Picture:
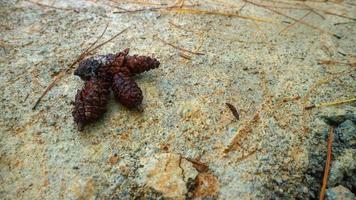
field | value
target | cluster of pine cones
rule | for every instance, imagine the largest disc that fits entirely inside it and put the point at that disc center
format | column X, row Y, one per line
column 103, row 72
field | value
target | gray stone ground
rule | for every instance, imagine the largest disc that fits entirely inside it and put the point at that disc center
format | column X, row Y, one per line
column 186, row 144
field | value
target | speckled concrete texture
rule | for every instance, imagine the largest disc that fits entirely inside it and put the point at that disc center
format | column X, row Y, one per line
column 186, row 144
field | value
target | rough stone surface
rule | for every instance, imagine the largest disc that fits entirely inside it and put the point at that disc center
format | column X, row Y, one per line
column 338, row 116
column 266, row 64
column 343, row 170
column 339, row 193
column 207, row 186
column 167, row 173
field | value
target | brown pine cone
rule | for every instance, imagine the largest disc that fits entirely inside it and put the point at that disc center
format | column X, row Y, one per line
column 126, row 91
column 138, row 64
column 118, row 63
column 90, row 102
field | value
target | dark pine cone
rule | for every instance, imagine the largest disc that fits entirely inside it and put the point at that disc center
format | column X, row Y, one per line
column 99, row 67
column 90, row 102
column 126, row 91
column 137, row 64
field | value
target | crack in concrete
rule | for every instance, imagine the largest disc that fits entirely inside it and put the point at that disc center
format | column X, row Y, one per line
column 179, row 164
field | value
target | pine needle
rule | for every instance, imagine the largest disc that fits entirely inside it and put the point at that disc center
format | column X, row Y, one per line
column 214, row 12
column 295, row 22
column 151, row 8
column 294, row 19
column 51, row 7
column 327, row 164
column 334, row 103
column 180, row 48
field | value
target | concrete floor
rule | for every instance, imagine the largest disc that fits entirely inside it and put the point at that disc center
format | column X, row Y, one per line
column 267, row 65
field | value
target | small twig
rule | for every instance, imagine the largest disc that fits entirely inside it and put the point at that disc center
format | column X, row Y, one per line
column 327, row 164
column 80, row 57
column 180, row 48
column 334, row 103
column 233, row 111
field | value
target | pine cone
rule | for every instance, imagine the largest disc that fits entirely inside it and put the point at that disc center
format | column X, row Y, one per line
column 138, row 64
column 126, row 91
column 118, row 63
column 96, row 67
column 90, row 102
column 103, row 71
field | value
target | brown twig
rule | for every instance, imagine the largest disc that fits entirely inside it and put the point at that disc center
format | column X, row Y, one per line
column 327, row 164
column 179, row 48
column 88, row 50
